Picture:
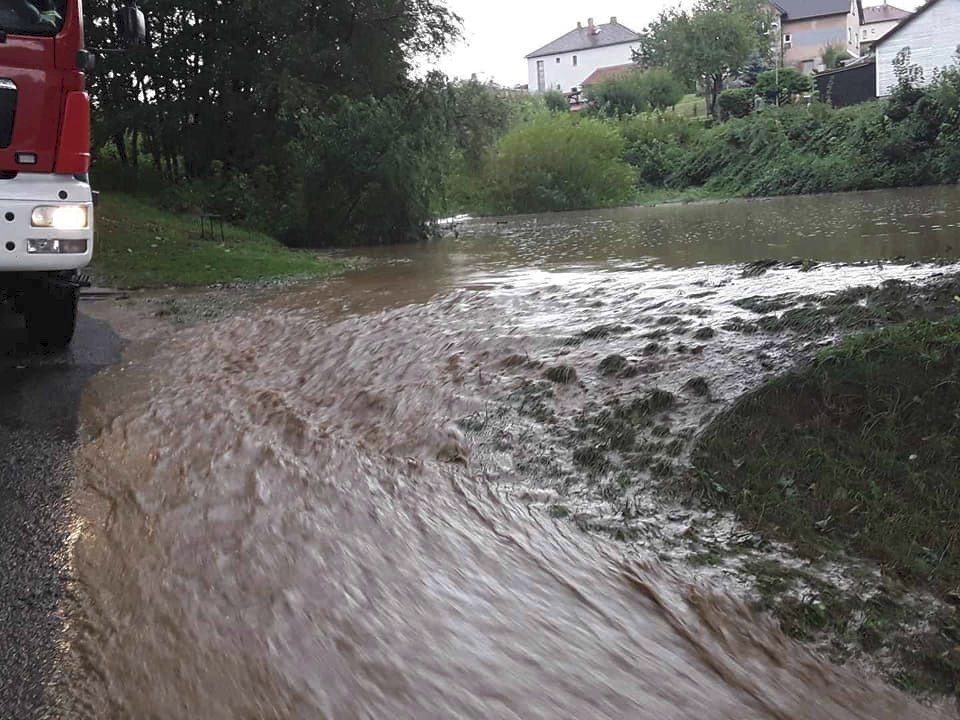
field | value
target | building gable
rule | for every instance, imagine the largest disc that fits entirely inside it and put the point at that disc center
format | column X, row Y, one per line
column 587, row 38
column 933, row 36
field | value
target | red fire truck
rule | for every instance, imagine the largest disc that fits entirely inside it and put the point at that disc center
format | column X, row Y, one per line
column 46, row 204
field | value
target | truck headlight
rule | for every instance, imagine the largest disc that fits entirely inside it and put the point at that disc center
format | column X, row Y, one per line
column 61, row 217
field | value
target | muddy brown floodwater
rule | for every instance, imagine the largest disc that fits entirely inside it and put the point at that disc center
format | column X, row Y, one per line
column 296, row 513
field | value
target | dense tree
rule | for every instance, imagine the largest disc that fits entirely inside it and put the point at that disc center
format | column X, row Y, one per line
column 558, row 162
column 224, row 87
column 556, row 101
column 834, row 56
column 707, row 44
column 636, row 92
column 789, row 81
column 755, row 65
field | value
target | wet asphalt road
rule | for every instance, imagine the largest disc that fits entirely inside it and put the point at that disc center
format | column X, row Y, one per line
column 39, row 400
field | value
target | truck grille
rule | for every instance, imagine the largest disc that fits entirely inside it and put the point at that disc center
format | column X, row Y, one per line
column 8, row 111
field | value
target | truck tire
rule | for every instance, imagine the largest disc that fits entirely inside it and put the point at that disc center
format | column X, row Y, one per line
column 50, row 312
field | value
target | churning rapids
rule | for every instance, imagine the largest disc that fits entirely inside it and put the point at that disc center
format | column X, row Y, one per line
column 278, row 516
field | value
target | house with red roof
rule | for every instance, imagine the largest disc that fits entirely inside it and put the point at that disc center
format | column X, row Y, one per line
column 870, row 24
column 566, row 62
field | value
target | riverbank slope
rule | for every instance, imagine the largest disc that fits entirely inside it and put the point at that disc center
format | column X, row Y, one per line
column 141, row 246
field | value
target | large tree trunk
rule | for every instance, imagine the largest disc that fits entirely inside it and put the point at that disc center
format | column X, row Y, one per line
column 121, row 145
column 714, row 88
column 135, row 147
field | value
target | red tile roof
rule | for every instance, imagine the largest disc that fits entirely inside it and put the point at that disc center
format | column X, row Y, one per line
column 605, row 73
column 883, row 13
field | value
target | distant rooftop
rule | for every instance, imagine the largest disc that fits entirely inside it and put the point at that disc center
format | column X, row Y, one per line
column 805, row 9
column 884, row 13
column 588, row 37
column 612, row 71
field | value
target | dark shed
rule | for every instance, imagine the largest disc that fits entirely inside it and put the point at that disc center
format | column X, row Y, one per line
column 850, row 85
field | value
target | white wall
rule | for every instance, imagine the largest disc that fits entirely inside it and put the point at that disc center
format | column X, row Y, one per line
column 932, row 38
column 568, row 76
column 853, row 30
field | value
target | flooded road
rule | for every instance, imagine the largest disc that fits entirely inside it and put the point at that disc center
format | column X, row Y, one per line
column 345, row 503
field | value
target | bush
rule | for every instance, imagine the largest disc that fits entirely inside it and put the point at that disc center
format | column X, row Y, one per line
column 736, row 103
column 635, row 92
column 370, row 169
column 556, row 101
column 791, row 83
column 564, row 161
column 663, row 89
column 558, row 162
column 657, row 145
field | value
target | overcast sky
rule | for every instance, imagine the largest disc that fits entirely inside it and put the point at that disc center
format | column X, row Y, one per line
column 499, row 33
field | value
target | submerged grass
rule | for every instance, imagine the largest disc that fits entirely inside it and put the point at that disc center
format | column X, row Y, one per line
column 140, row 246
column 857, row 453
column 859, row 449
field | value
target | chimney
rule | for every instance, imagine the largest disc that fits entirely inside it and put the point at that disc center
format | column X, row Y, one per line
column 591, row 27
column 579, row 25
column 613, row 20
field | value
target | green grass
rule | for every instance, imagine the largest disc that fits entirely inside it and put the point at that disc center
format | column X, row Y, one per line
column 691, row 106
column 660, row 196
column 856, row 454
column 860, row 450
column 140, row 246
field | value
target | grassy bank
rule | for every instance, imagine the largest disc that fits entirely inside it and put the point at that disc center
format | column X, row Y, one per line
column 140, row 246
column 552, row 161
column 857, row 453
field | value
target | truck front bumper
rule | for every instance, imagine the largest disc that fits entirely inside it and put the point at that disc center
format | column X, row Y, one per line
column 18, row 198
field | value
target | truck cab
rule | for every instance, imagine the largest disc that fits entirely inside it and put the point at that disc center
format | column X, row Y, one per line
column 46, row 203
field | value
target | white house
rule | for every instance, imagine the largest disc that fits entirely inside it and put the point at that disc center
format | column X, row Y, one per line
column 876, row 22
column 567, row 61
column 932, row 35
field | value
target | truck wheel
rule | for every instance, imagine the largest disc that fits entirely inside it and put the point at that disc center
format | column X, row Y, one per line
column 51, row 316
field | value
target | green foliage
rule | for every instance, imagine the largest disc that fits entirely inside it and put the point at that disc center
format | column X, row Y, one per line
column 556, row 101
column 370, row 168
column 755, row 65
column 790, row 82
column 558, row 162
column 834, row 56
column 911, row 139
column 620, row 95
column 737, row 103
column 655, row 145
column 708, row 44
column 663, row 89
column 635, row 92
column 218, row 100
column 481, row 113
column 860, row 449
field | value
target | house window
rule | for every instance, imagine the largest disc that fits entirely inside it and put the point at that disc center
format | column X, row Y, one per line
column 541, row 77
column 574, row 60
column 787, row 40
column 864, row 33
column 558, row 61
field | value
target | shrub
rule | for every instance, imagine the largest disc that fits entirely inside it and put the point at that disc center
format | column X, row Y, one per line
column 370, row 170
column 657, row 145
column 558, row 162
column 556, row 101
column 635, row 92
column 663, row 89
column 791, row 83
column 834, row 55
column 736, row 103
